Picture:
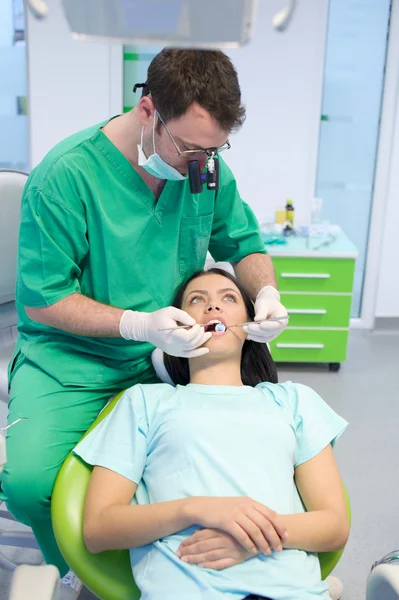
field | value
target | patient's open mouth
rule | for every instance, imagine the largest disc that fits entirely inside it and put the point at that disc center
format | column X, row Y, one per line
column 216, row 326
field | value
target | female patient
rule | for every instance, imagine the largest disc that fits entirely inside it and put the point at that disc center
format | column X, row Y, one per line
column 234, row 478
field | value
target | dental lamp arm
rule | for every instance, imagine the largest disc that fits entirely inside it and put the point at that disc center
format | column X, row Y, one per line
column 283, row 18
column 38, row 8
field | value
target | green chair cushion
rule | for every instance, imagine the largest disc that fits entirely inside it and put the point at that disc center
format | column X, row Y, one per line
column 328, row 560
column 108, row 574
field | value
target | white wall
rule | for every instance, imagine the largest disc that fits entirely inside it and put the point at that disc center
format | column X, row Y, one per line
column 274, row 156
column 6, row 24
column 13, row 126
column 72, row 84
column 388, row 285
column 381, row 296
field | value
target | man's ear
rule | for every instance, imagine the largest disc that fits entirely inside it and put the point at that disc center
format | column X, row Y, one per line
column 146, row 110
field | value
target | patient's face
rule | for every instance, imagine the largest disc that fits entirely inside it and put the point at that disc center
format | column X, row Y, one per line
column 212, row 298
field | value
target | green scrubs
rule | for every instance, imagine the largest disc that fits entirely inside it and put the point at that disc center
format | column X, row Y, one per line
column 89, row 224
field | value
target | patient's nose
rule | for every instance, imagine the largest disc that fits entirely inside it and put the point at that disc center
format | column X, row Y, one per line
column 212, row 307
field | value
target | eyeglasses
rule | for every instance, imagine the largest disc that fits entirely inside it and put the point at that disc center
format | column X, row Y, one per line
column 207, row 151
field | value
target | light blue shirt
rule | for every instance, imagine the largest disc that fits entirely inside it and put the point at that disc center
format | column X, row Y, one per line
column 209, row 440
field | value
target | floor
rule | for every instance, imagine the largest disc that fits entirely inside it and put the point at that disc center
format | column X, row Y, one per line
column 366, row 393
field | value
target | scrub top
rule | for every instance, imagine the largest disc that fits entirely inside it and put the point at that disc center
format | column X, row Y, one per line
column 210, row 440
column 89, row 224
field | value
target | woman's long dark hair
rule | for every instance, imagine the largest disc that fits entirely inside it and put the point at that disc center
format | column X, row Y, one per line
column 257, row 364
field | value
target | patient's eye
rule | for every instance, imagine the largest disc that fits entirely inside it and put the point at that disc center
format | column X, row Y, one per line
column 196, row 299
column 230, row 298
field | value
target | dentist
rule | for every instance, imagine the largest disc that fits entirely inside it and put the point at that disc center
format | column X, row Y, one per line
column 109, row 229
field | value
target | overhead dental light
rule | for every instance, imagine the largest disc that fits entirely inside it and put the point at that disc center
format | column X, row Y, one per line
column 184, row 23
column 179, row 23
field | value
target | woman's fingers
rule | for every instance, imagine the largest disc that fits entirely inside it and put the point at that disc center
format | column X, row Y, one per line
column 201, row 546
column 254, row 531
column 273, row 518
column 267, row 530
column 206, row 556
column 201, row 534
column 242, row 537
column 218, row 565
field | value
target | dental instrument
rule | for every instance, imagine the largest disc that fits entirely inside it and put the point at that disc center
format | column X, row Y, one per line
column 13, row 423
column 283, row 318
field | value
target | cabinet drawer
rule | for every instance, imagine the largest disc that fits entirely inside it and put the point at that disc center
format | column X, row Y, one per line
column 314, row 274
column 312, row 310
column 307, row 345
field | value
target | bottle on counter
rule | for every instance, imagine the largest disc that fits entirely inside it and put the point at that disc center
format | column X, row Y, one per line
column 289, row 215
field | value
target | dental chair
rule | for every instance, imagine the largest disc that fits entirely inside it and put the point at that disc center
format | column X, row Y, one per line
column 11, row 187
column 108, row 574
column 383, row 581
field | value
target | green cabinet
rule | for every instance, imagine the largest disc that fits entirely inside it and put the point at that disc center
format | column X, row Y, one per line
column 316, row 288
column 311, row 345
column 317, row 310
column 314, row 274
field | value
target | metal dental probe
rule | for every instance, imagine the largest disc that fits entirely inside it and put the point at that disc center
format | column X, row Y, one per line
column 284, row 318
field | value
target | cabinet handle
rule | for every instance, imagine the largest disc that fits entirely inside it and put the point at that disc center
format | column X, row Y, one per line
column 302, row 346
column 306, row 311
column 305, row 275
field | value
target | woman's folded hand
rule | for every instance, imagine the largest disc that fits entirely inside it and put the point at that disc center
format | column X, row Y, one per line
column 253, row 525
column 212, row 549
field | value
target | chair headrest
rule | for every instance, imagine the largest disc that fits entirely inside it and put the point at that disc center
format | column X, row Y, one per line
column 12, row 184
column 159, row 366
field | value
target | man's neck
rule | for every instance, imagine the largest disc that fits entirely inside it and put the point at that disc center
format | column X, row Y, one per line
column 125, row 133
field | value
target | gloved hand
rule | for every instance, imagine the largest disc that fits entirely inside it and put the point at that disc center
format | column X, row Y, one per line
column 267, row 306
column 144, row 327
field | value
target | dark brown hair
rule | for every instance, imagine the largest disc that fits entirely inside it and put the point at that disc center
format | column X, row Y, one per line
column 257, row 364
column 178, row 78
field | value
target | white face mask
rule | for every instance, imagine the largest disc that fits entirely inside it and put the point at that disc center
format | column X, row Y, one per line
column 154, row 164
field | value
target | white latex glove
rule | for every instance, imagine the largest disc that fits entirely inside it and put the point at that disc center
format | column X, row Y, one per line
column 267, row 306
column 144, row 327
